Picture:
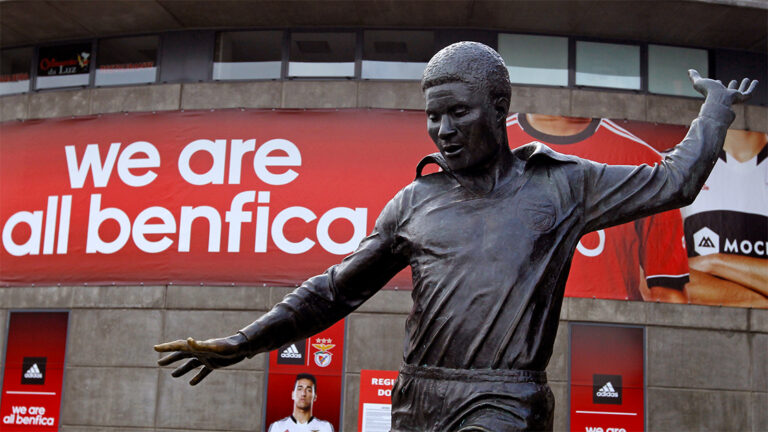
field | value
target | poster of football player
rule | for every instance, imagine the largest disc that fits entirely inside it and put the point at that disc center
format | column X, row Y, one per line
column 304, row 384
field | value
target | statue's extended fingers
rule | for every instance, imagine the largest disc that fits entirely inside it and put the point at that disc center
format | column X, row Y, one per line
column 173, row 358
column 177, row 345
column 210, row 345
column 200, row 375
column 733, row 84
column 186, row 367
column 751, row 87
column 693, row 74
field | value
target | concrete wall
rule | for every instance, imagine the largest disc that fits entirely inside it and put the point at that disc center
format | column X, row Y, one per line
column 706, row 366
column 354, row 94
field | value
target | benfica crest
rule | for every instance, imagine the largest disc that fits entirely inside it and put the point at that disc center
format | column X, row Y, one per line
column 323, row 357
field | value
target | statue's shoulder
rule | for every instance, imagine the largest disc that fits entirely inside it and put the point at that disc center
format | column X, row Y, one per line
column 537, row 152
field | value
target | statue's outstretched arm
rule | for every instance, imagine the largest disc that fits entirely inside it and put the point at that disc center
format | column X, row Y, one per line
column 315, row 305
column 617, row 194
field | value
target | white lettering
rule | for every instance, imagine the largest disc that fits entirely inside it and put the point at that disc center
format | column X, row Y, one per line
column 384, row 392
column 279, row 237
column 236, row 216
column 236, row 152
column 50, row 225
column 746, row 247
column 32, row 246
column 730, row 246
column 262, row 223
column 215, row 175
column 94, row 243
column 188, row 216
column 91, row 162
column 597, row 250
column 262, row 160
column 126, row 162
column 760, row 247
column 142, row 227
column 358, row 219
column 66, row 211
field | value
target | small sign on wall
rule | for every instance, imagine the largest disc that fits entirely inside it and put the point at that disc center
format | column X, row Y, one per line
column 375, row 408
column 34, row 371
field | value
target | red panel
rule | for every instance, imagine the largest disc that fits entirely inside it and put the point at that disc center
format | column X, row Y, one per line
column 34, row 370
column 322, row 355
column 607, row 378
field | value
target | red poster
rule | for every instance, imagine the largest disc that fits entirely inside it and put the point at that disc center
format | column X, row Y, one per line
column 317, row 362
column 607, row 380
column 34, row 370
column 374, row 412
column 232, row 196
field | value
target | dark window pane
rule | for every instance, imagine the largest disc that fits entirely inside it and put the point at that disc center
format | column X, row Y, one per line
column 396, row 54
column 248, row 55
column 322, row 55
column 15, row 65
column 130, row 60
column 668, row 69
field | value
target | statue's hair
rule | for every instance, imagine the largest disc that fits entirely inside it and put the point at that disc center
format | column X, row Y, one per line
column 472, row 63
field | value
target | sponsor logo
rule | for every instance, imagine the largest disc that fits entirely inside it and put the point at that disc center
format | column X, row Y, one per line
column 606, row 389
column 706, row 241
column 292, row 354
column 33, row 370
column 323, row 357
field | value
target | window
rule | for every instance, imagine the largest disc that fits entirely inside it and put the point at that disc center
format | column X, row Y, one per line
column 322, row 55
column 608, row 65
column 64, row 66
column 535, row 59
column 131, row 60
column 15, row 65
column 668, row 69
column 396, row 54
column 248, row 55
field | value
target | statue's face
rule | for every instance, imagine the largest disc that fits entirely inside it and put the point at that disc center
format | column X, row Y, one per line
column 461, row 122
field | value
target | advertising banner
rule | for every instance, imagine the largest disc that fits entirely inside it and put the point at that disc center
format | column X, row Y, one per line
column 33, row 371
column 316, row 362
column 215, row 197
column 276, row 196
column 374, row 413
column 607, row 379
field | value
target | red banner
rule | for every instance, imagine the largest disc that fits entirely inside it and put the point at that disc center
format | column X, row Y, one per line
column 607, row 381
column 34, row 370
column 218, row 197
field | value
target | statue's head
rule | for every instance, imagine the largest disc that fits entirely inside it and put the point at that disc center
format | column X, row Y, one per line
column 472, row 63
column 467, row 89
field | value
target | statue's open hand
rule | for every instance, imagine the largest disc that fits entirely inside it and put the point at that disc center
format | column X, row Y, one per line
column 210, row 354
column 717, row 92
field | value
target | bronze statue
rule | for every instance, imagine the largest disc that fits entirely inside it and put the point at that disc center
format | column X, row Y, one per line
column 489, row 240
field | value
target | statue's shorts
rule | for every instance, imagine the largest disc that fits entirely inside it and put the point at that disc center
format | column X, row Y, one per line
column 442, row 400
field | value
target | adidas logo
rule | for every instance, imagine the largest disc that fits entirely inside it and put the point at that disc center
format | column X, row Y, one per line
column 33, row 372
column 607, row 391
column 291, row 352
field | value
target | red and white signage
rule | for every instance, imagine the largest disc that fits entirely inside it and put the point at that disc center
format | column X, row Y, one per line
column 607, row 378
column 218, row 197
column 374, row 413
column 34, row 371
column 322, row 356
